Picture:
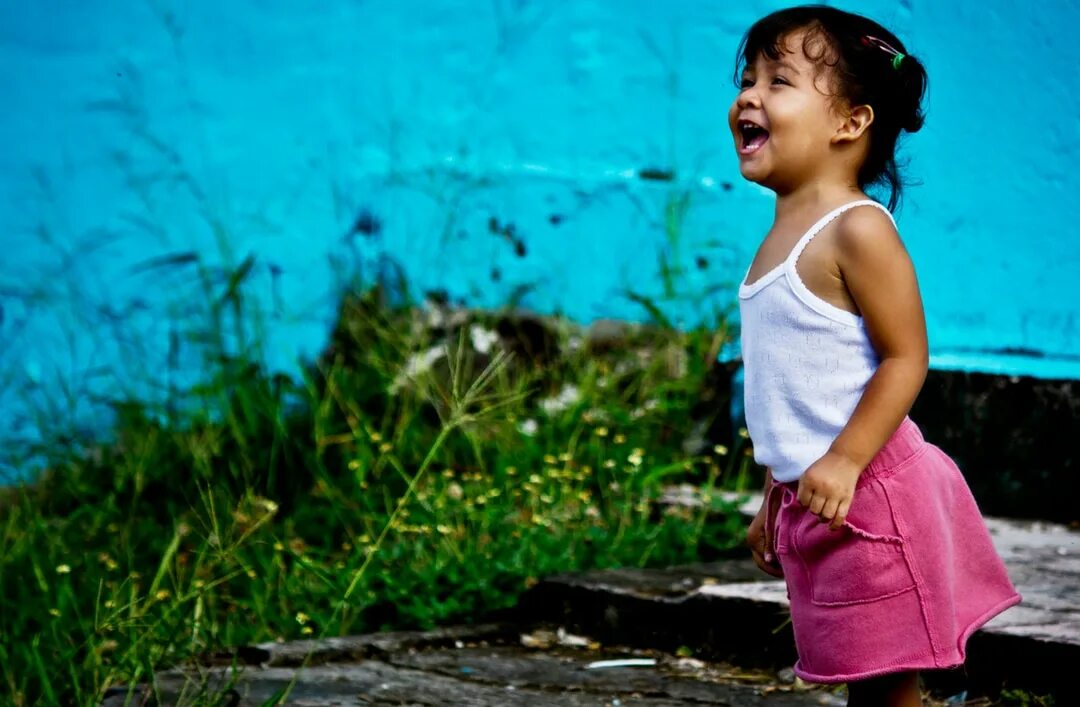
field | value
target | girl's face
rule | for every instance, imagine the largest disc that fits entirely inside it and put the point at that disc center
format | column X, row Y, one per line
column 782, row 120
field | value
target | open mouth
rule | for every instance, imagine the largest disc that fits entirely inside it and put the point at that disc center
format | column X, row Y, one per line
column 752, row 135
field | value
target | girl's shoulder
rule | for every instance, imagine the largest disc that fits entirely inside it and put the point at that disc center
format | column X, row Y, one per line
column 866, row 226
column 868, row 248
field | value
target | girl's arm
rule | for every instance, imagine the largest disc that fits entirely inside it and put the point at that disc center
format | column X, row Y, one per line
column 880, row 276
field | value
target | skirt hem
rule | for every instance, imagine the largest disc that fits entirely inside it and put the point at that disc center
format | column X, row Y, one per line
column 929, row 663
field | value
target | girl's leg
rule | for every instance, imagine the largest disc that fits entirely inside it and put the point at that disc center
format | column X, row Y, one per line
column 893, row 690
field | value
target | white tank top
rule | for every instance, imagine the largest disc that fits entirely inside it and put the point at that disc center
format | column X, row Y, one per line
column 805, row 363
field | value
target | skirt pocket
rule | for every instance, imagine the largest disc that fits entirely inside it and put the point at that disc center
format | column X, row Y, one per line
column 859, row 563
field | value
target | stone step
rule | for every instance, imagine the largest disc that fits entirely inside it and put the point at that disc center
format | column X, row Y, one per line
column 1043, row 560
column 489, row 665
column 730, row 610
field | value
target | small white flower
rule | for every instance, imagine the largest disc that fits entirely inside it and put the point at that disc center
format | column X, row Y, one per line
column 416, row 365
column 566, row 397
column 482, row 339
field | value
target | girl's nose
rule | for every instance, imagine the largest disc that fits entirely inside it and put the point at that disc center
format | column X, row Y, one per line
column 748, row 98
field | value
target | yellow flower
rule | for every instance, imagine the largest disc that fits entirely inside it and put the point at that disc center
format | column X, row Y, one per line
column 302, row 618
column 162, row 594
column 720, row 449
column 385, row 447
column 743, row 432
column 620, row 438
column 307, row 630
column 549, row 459
column 63, row 569
column 54, row 612
column 376, row 437
column 601, row 432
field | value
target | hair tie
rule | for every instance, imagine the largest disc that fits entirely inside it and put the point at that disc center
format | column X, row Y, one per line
column 881, row 44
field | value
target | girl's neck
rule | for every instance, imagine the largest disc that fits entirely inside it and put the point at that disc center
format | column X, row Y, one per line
column 813, row 198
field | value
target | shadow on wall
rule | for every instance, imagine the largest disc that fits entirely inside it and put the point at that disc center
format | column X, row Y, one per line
column 1013, row 437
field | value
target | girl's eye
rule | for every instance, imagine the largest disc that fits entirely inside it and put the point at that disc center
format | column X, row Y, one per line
column 779, row 80
column 746, row 83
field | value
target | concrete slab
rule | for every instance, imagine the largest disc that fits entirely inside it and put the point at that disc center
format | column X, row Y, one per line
column 1043, row 560
column 732, row 617
column 489, row 665
column 1028, row 645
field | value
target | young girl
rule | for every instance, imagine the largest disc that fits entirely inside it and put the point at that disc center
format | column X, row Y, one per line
column 888, row 564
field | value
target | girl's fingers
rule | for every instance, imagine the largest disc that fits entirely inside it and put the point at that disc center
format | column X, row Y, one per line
column 767, row 567
column 830, row 510
column 816, row 504
column 841, row 515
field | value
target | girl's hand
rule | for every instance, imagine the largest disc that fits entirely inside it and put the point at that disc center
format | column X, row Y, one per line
column 828, row 486
column 755, row 538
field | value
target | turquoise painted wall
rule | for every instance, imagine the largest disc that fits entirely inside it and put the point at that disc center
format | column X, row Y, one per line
column 490, row 148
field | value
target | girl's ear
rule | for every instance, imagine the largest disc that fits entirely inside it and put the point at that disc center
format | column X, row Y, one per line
column 855, row 124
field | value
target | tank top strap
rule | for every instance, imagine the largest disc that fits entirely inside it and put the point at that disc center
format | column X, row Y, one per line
column 826, row 220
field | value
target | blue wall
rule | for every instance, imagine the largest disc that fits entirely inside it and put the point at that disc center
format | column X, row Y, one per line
column 141, row 130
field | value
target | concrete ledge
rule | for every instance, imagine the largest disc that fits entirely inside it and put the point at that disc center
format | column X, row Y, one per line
column 483, row 666
column 730, row 610
column 1043, row 560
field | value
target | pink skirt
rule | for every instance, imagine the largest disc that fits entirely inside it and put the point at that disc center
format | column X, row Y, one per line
column 903, row 583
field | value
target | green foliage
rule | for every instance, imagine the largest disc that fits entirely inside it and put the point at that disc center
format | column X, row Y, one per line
column 1023, row 698
column 369, row 494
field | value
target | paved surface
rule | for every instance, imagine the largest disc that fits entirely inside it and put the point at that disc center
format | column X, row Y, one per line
column 732, row 617
column 489, row 665
column 1043, row 560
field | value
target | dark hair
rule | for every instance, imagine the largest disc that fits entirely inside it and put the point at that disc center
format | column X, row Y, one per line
column 865, row 75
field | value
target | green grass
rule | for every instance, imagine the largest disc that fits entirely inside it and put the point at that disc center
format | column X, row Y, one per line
column 254, row 507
